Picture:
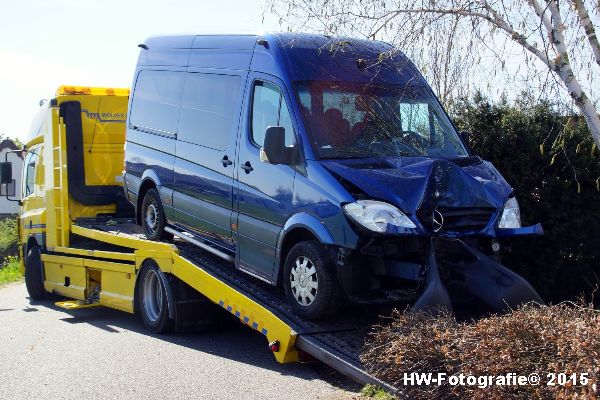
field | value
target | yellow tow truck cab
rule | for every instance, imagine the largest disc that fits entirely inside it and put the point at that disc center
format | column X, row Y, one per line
column 96, row 149
column 79, row 239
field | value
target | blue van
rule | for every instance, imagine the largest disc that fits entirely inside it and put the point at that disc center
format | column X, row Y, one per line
column 322, row 164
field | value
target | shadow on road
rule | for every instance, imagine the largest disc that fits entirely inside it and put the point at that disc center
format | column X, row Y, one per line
column 232, row 340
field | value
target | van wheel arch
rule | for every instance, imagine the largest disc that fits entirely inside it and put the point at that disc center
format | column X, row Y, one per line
column 146, row 185
column 291, row 238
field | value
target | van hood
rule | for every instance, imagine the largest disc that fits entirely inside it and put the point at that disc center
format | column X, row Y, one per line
column 420, row 183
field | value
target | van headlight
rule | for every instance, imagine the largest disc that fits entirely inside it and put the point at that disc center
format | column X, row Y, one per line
column 377, row 216
column 511, row 215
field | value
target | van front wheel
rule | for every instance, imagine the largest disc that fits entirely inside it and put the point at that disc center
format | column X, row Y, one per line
column 309, row 281
column 153, row 216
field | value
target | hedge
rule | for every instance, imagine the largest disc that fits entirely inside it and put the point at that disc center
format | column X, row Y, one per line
column 553, row 165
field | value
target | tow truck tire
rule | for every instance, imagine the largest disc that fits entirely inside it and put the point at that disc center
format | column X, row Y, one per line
column 153, row 217
column 152, row 303
column 309, row 280
column 34, row 274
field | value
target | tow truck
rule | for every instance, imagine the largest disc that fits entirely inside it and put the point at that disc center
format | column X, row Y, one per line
column 79, row 240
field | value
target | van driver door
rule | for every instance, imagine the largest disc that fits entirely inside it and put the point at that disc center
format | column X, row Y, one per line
column 265, row 191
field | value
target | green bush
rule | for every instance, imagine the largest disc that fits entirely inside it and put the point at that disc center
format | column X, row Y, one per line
column 552, row 164
column 9, row 238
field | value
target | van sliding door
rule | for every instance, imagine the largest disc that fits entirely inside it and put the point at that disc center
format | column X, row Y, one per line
column 205, row 155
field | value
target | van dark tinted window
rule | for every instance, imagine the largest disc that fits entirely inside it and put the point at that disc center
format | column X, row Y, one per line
column 156, row 101
column 208, row 109
column 269, row 109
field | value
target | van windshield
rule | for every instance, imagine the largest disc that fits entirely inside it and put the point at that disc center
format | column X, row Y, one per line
column 351, row 120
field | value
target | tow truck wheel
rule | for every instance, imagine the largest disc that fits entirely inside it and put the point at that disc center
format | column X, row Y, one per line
column 152, row 300
column 34, row 274
column 309, row 281
column 153, row 216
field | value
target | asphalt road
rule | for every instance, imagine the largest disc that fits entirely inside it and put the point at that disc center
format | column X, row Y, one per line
column 50, row 353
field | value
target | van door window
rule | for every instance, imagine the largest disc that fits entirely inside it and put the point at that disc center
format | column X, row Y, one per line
column 156, row 101
column 208, row 109
column 414, row 117
column 270, row 109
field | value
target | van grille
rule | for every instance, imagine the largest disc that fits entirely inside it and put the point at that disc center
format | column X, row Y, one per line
column 466, row 161
column 458, row 219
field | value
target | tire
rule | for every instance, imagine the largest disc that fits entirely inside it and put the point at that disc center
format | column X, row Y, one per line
column 34, row 274
column 152, row 303
column 153, row 217
column 312, row 293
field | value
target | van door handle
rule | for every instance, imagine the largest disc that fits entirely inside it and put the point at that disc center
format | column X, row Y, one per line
column 226, row 161
column 247, row 167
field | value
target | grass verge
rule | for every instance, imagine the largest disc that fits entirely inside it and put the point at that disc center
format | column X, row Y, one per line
column 376, row 393
column 9, row 271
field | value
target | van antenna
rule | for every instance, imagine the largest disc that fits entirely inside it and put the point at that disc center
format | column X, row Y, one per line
column 143, row 46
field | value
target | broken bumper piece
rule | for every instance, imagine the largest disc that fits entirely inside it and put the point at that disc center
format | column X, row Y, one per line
column 533, row 230
column 485, row 279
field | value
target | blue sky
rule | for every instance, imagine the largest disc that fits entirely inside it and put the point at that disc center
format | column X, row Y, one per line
column 49, row 43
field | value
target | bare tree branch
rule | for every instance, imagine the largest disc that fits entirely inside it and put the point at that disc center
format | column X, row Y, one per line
column 457, row 43
column 564, row 71
column 586, row 23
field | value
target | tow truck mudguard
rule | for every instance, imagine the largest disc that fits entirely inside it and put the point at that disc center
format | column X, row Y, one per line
column 169, row 291
column 489, row 281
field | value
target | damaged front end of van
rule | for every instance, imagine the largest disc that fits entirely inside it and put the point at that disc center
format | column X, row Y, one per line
column 433, row 226
column 429, row 215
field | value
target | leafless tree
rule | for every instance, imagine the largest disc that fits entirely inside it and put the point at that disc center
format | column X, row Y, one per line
column 551, row 45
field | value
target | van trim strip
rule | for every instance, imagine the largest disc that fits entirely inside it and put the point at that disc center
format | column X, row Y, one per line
column 198, row 243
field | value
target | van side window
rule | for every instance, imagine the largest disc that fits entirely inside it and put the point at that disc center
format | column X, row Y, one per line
column 29, row 169
column 269, row 109
column 156, row 101
column 208, row 109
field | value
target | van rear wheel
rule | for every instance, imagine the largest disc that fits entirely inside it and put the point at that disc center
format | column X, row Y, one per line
column 153, row 217
column 310, row 283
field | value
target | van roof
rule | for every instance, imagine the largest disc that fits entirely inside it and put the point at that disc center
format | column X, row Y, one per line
column 297, row 56
column 247, row 40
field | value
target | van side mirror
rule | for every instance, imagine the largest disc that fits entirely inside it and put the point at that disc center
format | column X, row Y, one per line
column 6, row 172
column 274, row 149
